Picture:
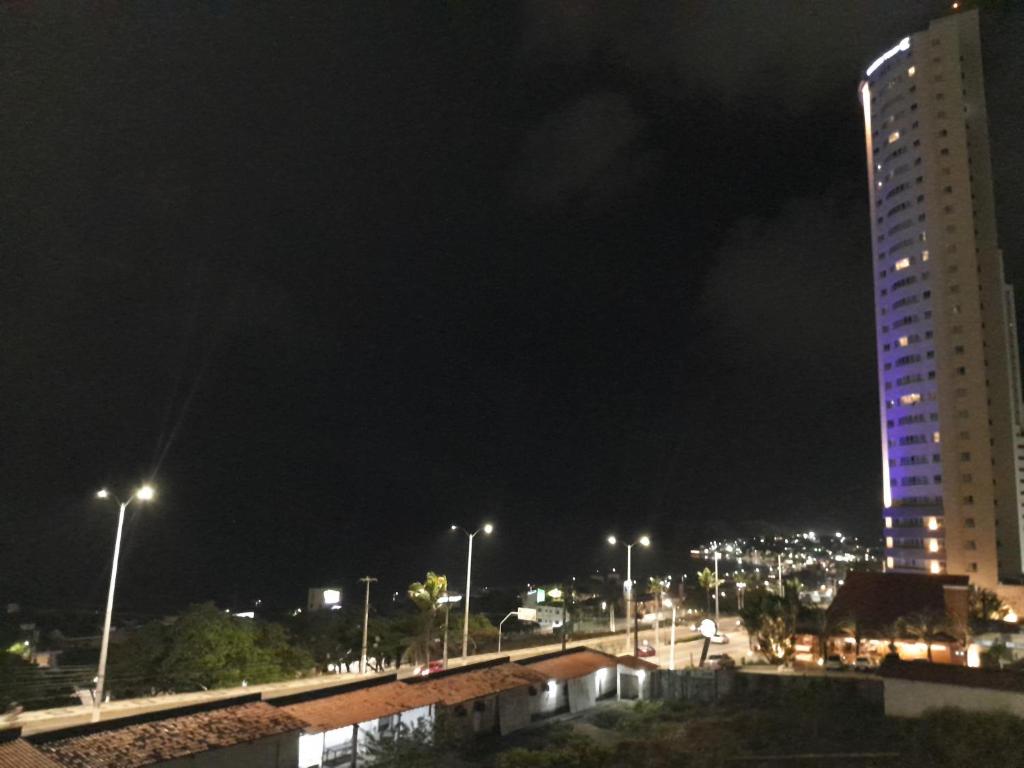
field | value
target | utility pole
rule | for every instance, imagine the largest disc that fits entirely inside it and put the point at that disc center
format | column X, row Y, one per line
column 717, row 588
column 444, row 652
column 781, row 590
column 565, row 615
column 366, row 623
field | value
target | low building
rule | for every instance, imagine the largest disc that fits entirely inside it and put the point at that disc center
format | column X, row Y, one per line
column 343, row 721
column 494, row 698
column 918, row 615
column 576, row 679
column 635, row 678
column 249, row 733
column 323, row 598
column 913, row 687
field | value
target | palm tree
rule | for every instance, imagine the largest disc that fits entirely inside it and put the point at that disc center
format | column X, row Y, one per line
column 927, row 626
column 656, row 587
column 425, row 596
column 827, row 626
column 706, row 579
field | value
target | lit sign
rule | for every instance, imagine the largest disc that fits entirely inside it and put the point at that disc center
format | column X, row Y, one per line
column 904, row 45
column 332, row 596
column 708, row 628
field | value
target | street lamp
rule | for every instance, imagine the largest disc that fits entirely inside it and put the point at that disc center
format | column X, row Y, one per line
column 673, row 604
column 144, row 493
column 643, row 541
column 717, row 586
column 366, row 624
column 487, row 528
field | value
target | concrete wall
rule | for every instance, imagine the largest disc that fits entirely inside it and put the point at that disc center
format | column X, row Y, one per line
column 910, row 698
column 272, row 752
column 514, row 709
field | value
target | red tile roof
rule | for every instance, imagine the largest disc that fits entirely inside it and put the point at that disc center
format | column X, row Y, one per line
column 359, row 706
column 571, row 665
column 20, row 754
column 477, row 683
column 175, row 737
column 879, row 599
column 633, row 662
column 946, row 674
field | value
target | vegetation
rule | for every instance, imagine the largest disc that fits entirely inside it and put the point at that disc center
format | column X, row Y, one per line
column 425, row 596
column 985, row 606
column 708, row 583
column 770, row 620
column 204, row 648
column 928, row 627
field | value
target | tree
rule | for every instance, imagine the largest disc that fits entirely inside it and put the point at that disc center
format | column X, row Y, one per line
column 707, row 581
column 204, row 648
column 771, row 622
column 407, row 748
column 927, row 626
column 424, row 596
column 826, row 626
column 985, row 606
column 481, row 630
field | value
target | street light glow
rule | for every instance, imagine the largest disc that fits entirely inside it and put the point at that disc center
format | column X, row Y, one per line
column 645, row 540
column 612, row 540
column 454, row 527
column 102, row 493
column 488, row 528
column 145, row 493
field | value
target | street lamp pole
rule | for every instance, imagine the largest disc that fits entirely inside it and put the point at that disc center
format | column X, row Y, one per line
column 366, row 623
column 469, row 572
column 717, row 587
column 645, row 541
column 145, row 493
column 672, row 635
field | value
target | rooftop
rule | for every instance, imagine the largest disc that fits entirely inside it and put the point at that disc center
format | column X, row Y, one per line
column 359, row 706
column 477, row 683
column 20, row 754
column 571, row 665
column 175, row 737
column 877, row 600
column 632, row 662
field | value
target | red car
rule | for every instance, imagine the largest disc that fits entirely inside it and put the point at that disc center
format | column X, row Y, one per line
column 435, row 666
column 645, row 650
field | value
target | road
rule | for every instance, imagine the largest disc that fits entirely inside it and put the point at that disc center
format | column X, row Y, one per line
column 41, row 721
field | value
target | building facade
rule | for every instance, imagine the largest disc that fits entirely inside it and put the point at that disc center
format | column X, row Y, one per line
column 948, row 369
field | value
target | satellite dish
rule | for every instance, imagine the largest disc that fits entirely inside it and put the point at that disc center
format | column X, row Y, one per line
column 708, row 628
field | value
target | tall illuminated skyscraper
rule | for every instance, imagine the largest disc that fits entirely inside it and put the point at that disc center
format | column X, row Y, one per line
column 948, row 370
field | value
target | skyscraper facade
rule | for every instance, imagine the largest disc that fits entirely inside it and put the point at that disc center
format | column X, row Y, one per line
column 948, row 370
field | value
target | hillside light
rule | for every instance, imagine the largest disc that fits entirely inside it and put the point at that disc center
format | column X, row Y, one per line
column 144, row 493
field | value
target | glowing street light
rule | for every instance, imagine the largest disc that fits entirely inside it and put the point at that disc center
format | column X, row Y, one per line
column 486, row 528
column 643, row 541
column 144, row 493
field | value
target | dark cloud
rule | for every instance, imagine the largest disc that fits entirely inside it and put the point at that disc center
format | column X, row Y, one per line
column 776, row 54
column 796, row 287
column 586, row 153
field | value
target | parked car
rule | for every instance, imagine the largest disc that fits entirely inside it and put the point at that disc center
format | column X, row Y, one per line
column 835, row 663
column 435, row 666
column 863, row 664
column 719, row 639
column 719, row 661
column 645, row 650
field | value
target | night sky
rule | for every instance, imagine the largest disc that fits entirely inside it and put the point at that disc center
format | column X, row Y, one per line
column 334, row 275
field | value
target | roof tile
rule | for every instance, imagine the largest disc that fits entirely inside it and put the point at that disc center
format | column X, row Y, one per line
column 147, row 743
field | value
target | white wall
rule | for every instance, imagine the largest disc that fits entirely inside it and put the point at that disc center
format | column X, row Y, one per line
column 910, row 698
